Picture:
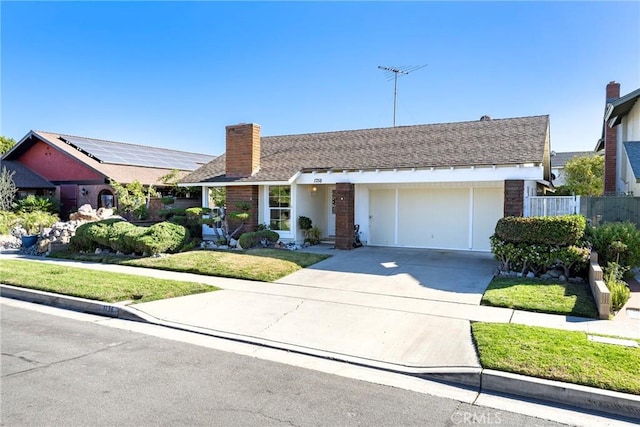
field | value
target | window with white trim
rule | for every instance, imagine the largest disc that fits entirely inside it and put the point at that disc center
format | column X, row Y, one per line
column 280, row 207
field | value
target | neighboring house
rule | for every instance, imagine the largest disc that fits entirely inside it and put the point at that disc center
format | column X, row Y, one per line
column 622, row 120
column 558, row 160
column 80, row 168
column 26, row 181
column 426, row 186
column 620, row 132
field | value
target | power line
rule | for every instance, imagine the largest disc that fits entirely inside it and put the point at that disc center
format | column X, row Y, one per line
column 392, row 73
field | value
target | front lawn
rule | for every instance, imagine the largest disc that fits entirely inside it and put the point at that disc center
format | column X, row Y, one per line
column 265, row 265
column 93, row 284
column 544, row 296
column 557, row 355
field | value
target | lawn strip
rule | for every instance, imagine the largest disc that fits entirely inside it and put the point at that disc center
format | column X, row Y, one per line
column 543, row 296
column 557, row 355
column 266, row 265
column 93, row 284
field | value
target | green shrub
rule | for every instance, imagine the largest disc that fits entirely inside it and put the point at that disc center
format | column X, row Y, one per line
column 525, row 257
column 34, row 221
column 8, row 220
column 304, row 223
column 620, row 292
column 163, row 237
column 125, row 237
column 313, row 235
column 129, row 240
column 33, row 203
column 81, row 241
column 617, row 242
column 119, row 231
column 564, row 230
column 92, row 235
column 168, row 200
column 167, row 214
column 571, row 257
column 254, row 238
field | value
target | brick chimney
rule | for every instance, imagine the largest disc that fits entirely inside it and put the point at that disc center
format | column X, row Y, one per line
column 243, row 150
column 610, row 142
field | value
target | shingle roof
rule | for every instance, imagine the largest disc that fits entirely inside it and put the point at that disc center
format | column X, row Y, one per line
column 487, row 142
column 25, row 177
column 560, row 159
column 633, row 152
column 118, row 172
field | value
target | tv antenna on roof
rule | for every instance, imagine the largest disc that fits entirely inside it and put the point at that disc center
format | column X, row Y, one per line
column 392, row 73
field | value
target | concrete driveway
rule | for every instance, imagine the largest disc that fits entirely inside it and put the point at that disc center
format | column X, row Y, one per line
column 442, row 275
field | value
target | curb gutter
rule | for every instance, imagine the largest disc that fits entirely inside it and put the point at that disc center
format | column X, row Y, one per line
column 589, row 398
column 72, row 303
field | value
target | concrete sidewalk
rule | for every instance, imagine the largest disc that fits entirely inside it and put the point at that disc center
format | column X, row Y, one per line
column 384, row 317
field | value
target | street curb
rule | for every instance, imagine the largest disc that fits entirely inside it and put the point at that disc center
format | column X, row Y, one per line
column 72, row 303
column 591, row 398
column 484, row 380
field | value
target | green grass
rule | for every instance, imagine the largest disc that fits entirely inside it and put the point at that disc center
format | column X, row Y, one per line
column 93, row 284
column 544, row 296
column 557, row 355
column 265, row 265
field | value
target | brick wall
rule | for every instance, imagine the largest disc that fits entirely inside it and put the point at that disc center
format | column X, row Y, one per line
column 243, row 150
column 610, row 142
column 244, row 193
column 513, row 197
column 344, row 215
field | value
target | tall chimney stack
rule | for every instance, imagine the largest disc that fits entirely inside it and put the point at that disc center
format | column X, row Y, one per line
column 243, row 150
column 610, row 143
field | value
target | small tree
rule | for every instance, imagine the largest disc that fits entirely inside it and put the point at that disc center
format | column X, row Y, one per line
column 7, row 189
column 133, row 198
column 585, row 176
column 171, row 180
column 6, row 144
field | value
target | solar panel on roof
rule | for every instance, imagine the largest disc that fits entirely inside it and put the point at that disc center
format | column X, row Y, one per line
column 136, row 155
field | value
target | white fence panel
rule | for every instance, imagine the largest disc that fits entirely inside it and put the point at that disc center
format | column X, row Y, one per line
column 553, row 205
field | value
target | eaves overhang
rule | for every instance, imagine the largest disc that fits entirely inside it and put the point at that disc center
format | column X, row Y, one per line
column 619, row 108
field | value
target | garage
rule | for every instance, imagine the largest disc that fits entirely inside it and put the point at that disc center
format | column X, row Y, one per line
column 441, row 217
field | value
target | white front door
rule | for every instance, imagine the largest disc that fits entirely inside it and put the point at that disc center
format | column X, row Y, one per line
column 331, row 203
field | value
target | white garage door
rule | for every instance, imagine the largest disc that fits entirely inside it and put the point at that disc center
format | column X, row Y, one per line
column 447, row 218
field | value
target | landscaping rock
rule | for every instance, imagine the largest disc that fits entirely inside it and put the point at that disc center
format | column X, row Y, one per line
column 554, row 273
column 530, row 275
column 546, row 276
column 562, row 278
column 578, row 280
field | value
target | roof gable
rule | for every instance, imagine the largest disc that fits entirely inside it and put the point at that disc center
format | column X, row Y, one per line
column 113, row 168
column 478, row 143
column 619, row 108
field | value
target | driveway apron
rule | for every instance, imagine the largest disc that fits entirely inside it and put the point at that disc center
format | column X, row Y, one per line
column 452, row 276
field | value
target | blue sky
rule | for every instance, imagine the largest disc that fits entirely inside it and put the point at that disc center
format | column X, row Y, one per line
column 174, row 74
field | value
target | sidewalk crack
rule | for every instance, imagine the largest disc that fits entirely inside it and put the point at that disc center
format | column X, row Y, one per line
column 282, row 317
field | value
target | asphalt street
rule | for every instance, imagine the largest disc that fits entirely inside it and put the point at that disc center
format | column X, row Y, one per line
column 63, row 371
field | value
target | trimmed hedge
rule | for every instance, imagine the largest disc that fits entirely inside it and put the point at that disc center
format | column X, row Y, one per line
column 125, row 237
column 254, row 238
column 564, row 230
column 537, row 244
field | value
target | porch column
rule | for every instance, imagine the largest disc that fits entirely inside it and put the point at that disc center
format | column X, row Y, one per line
column 344, row 215
column 513, row 197
column 244, row 193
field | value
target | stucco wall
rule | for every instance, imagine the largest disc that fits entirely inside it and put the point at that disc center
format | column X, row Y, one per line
column 54, row 165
